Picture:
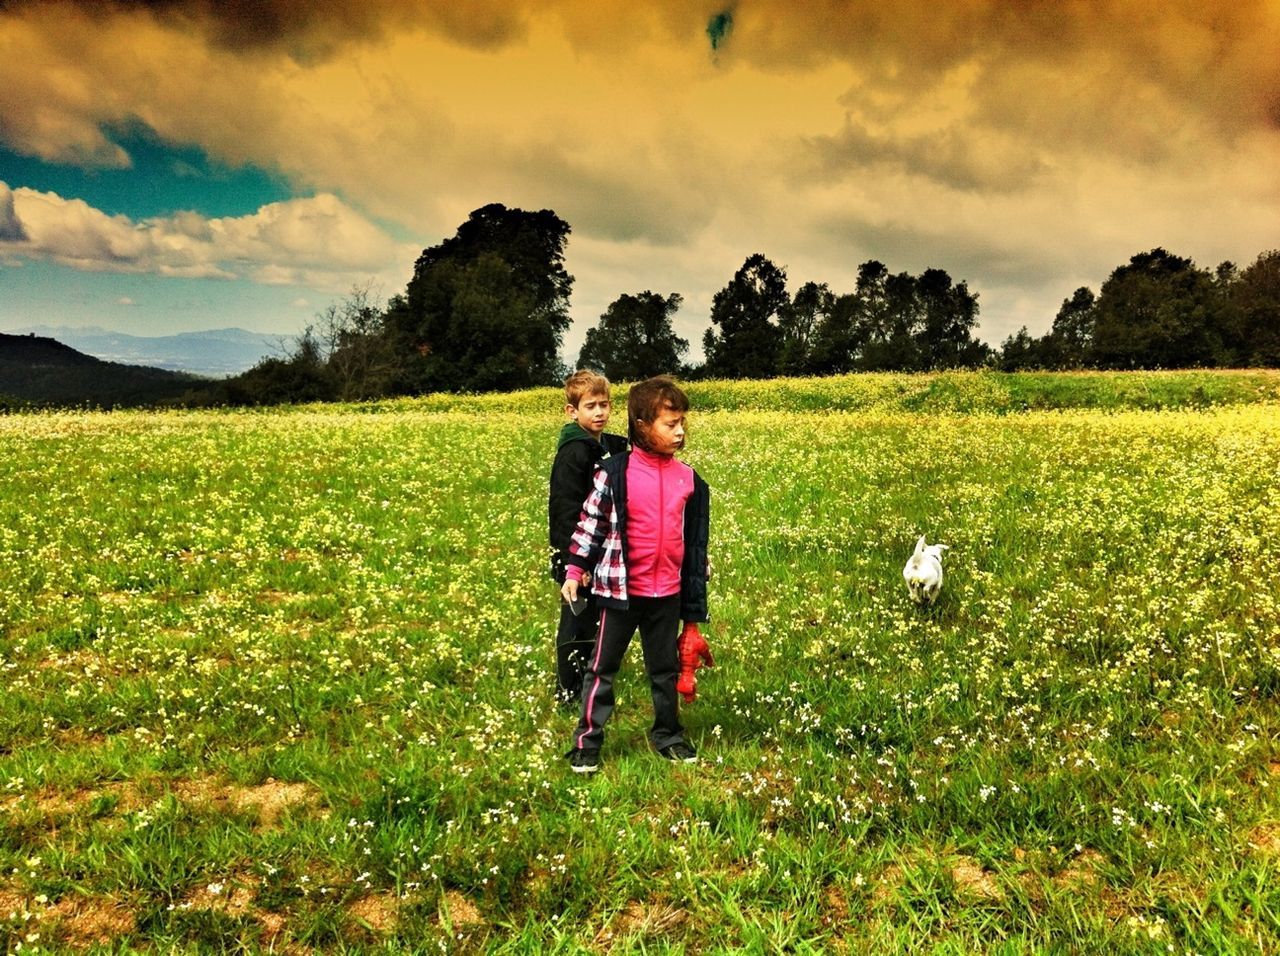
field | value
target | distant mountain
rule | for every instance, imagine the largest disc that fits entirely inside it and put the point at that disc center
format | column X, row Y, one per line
column 41, row 371
column 216, row 353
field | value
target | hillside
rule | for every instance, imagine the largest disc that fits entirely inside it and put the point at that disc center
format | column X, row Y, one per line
column 215, row 352
column 41, row 371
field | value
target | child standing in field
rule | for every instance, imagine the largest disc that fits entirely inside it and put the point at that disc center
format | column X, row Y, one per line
column 642, row 537
column 583, row 444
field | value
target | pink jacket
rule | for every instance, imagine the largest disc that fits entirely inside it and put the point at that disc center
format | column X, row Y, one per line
column 658, row 486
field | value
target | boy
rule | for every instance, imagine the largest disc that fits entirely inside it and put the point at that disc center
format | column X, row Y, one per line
column 642, row 542
column 583, row 444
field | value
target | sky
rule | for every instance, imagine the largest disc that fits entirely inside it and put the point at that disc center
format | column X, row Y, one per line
column 176, row 165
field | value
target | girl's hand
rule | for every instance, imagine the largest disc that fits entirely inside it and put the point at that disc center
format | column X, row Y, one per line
column 569, row 590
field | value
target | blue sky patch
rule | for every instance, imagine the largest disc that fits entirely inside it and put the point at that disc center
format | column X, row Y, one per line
column 164, row 179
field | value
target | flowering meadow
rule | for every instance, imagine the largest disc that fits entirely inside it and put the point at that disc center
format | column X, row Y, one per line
column 282, row 680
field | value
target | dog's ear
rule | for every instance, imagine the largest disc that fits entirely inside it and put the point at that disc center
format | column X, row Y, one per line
column 920, row 545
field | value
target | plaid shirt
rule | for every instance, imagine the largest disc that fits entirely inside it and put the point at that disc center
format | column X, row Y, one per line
column 598, row 540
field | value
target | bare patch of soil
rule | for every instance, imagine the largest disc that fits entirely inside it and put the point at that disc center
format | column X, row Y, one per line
column 228, row 897
column 1265, row 838
column 268, row 800
column 1083, row 870
column 84, row 922
column 379, row 912
column 972, row 880
column 462, row 912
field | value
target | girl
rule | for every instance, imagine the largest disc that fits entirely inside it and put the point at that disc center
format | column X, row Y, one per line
column 643, row 537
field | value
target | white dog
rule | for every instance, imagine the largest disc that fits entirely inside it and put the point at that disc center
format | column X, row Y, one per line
column 923, row 572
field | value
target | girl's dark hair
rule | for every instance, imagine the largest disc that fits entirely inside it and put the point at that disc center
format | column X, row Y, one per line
column 647, row 399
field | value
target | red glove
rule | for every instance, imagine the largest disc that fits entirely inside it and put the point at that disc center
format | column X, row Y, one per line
column 694, row 653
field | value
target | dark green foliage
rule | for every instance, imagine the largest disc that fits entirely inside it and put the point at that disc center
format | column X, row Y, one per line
column 745, row 311
column 301, row 376
column 487, row 308
column 898, row 323
column 1162, row 311
column 634, row 338
column 1159, row 311
column 1253, row 330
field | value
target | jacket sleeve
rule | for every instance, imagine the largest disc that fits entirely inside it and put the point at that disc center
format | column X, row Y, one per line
column 593, row 525
column 693, row 572
column 570, row 485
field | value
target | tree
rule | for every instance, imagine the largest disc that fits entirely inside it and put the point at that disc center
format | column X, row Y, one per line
column 798, row 323
column 487, row 308
column 635, row 339
column 747, row 344
column 300, row 376
column 948, row 314
column 1018, row 352
column 1254, row 324
column 353, row 344
column 1069, row 343
column 891, row 320
column 1159, row 311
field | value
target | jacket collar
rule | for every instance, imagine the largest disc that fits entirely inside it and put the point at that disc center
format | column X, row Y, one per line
column 649, row 458
column 572, row 431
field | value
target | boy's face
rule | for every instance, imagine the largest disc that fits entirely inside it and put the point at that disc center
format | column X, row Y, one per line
column 591, row 413
column 665, row 434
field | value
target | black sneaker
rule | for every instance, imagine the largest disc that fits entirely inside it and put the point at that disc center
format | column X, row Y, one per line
column 584, row 761
column 679, row 751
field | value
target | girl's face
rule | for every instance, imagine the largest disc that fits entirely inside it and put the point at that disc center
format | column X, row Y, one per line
column 665, row 434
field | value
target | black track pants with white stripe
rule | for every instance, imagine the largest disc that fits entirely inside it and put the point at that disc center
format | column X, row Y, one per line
column 658, row 620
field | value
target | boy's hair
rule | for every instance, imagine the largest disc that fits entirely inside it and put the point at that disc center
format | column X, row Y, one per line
column 647, row 399
column 582, row 383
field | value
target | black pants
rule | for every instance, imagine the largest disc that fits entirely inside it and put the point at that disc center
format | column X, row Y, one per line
column 575, row 640
column 658, row 620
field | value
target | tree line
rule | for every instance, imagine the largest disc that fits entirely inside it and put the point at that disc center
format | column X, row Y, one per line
column 487, row 309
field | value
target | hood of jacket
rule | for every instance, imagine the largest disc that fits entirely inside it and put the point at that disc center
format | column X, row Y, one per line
column 572, row 431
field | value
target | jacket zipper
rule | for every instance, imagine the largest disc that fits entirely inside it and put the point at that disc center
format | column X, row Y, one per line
column 662, row 521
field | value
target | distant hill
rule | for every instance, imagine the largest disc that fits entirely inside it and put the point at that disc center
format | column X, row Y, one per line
column 41, row 371
column 216, row 352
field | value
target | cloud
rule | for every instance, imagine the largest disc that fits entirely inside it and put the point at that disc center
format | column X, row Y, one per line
column 1006, row 142
column 318, row 241
column 10, row 226
column 304, row 29
column 125, row 300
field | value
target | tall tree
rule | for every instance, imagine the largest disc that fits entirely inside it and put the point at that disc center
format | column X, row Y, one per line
column 353, row 344
column 1255, row 313
column 893, row 319
column 1069, row 343
column 1159, row 311
column 745, row 311
column 635, row 339
column 949, row 312
column 798, row 323
column 487, row 308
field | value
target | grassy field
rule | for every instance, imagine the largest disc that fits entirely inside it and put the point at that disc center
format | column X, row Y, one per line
column 281, row 680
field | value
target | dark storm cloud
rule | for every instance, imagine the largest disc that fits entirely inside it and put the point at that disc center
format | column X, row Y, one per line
column 946, row 157
column 306, row 29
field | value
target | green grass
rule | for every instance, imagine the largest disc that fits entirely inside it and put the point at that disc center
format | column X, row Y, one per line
column 283, row 679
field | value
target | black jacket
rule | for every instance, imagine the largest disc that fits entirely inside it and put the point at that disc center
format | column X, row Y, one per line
column 697, row 527
column 577, row 455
